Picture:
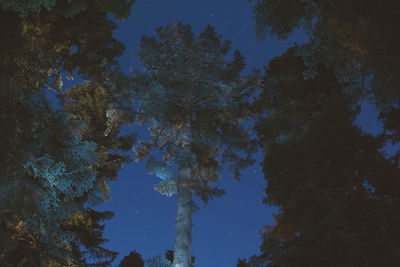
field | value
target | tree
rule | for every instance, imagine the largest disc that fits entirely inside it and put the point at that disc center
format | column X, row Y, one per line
column 190, row 95
column 338, row 197
column 134, row 259
column 24, row 8
column 43, row 177
column 362, row 31
column 158, row 261
column 241, row 263
column 357, row 39
column 87, row 246
column 253, row 261
column 98, row 111
column 49, row 167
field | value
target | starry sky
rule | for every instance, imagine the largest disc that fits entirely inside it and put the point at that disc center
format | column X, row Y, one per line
column 229, row 227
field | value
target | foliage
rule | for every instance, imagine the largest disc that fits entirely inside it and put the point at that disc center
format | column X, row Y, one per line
column 158, row 261
column 253, row 261
column 187, row 78
column 98, row 113
column 45, row 52
column 134, row 259
column 89, row 237
column 241, row 263
column 50, row 169
column 335, row 29
column 358, row 39
column 191, row 96
column 67, row 8
column 338, row 196
column 45, row 170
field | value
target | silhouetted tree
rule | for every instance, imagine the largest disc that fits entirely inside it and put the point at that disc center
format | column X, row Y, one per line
column 358, row 39
column 134, row 259
column 338, row 197
column 241, row 263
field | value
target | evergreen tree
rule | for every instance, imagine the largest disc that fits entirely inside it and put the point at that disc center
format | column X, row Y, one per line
column 158, row 261
column 191, row 95
column 338, row 197
column 24, row 8
column 98, row 111
column 357, row 39
column 134, row 259
column 241, row 263
column 43, row 177
column 49, row 167
column 87, row 246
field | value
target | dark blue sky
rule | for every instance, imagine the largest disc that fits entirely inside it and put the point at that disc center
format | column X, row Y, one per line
column 229, row 227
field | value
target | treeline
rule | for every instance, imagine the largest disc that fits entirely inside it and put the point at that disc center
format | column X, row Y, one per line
column 337, row 193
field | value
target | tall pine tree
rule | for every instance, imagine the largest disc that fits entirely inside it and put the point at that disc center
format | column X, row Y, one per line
column 338, row 197
column 190, row 95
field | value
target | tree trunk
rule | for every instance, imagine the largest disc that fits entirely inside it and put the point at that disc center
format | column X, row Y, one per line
column 183, row 225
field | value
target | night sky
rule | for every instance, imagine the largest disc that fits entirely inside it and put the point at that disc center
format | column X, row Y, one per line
column 229, row 227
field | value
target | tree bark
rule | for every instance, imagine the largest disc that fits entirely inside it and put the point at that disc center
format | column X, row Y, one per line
column 183, row 225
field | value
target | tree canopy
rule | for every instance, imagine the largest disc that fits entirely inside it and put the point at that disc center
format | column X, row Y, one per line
column 134, row 259
column 187, row 79
column 357, row 39
column 338, row 196
column 67, row 8
column 52, row 161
